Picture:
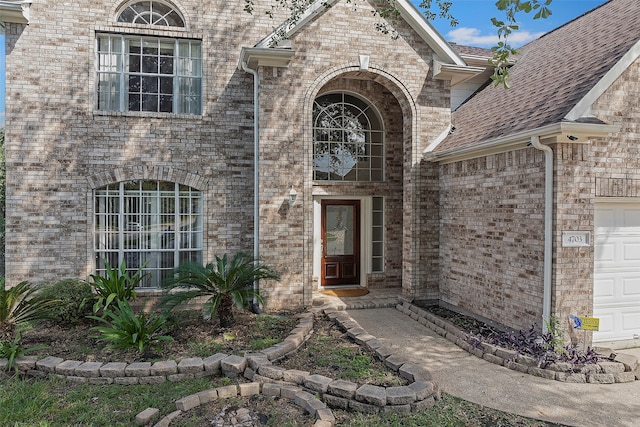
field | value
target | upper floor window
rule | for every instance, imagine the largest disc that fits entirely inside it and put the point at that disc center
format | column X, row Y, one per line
column 137, row 73
column 151, row 13
column 348, row 139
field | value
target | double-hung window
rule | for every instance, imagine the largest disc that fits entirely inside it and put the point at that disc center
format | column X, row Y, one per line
column 151, row 74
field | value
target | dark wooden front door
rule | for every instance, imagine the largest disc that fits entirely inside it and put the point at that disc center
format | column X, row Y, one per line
column 340, row 242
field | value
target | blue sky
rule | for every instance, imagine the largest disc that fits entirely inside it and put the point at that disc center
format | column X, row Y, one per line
column 475, row 28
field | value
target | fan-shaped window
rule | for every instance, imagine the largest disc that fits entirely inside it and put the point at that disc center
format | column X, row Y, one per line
column 151, row 13
column 348, row 140
column 153, row 225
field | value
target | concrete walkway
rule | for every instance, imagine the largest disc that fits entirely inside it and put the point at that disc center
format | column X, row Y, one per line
column 476, row 380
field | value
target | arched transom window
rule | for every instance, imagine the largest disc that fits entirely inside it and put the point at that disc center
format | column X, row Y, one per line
column 153, row 225
column 348, row 139
column 151, row 13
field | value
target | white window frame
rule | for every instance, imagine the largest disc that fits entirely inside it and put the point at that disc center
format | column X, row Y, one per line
column 146, row 12
column 136, row 225
column 334, row 159
column 112, row 67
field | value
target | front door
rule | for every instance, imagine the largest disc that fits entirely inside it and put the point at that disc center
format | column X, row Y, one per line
column 340, row 242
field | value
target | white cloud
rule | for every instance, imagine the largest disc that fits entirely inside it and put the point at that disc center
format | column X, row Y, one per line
column 473, row 37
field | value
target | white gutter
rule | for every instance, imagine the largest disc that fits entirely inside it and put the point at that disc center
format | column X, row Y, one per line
column 582, row 131
column 256, row 170
column 17, row 12
column 548, row 229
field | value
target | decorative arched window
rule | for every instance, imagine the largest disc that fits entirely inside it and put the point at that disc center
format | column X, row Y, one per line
column 348, row 139
column 153, row 225
column 151, row 12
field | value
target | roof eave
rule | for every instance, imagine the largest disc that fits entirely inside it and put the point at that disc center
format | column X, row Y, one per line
column 563, row 132
column 428, row 33
column 407, row 11
column 255, row 57
column 315, row 9
column 15, row 12
column 455, row 73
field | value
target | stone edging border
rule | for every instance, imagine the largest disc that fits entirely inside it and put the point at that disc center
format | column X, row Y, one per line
column 324, row 417
column 270, row 380
column 623, row 369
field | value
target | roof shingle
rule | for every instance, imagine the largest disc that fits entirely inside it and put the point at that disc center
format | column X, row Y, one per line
column 551, row 75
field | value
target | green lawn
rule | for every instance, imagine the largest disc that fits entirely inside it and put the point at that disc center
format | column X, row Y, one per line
column 54, row 402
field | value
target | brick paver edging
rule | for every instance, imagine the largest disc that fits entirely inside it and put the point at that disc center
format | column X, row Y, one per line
column 623, row 369
column 154, row 373
column 258, row 367
column 324, row 417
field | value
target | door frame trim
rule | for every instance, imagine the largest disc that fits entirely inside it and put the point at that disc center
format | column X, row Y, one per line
column 365, row 236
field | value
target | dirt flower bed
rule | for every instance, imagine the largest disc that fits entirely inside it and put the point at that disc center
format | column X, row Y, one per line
column 192, row 337
column 252, row 411
column 330, row 352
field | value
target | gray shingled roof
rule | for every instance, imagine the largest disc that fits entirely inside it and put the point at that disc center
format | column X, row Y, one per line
column 471, row 50
column 550, row 76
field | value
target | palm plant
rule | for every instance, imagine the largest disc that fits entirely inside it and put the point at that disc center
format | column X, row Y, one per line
column 21, row 304
column 222, row 285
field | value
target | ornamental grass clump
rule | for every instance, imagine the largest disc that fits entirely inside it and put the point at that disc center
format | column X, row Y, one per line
column 116, row 285
column 125, row 329
column 13, row 350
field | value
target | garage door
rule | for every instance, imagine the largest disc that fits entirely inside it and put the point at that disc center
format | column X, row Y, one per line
column 617, row 271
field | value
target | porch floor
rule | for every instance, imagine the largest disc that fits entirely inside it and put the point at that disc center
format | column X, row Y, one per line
column 376, row 298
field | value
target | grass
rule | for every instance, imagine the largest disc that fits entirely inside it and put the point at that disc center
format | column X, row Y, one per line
column 54, row 402
column 449, row 412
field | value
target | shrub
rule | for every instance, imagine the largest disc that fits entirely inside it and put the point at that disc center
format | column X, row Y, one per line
column 117, row 285
column 124, row 329
column 74, row 297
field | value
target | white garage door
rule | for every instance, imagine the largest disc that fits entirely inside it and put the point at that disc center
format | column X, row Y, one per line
column 617, row 271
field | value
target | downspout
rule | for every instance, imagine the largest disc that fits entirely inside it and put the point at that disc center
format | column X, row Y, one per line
column 256, row 176
column 548, row 229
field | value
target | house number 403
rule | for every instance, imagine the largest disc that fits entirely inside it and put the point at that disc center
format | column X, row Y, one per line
column 573, row 239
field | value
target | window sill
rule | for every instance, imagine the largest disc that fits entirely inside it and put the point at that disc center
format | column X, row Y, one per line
column 144, row 114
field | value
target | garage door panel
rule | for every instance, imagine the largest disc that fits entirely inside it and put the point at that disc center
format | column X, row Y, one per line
column 606, row 322
column 604, row 288
column 631, row 252
column 605, row 252
column 617, row 271
column 631, row 321
column 631, row 287
column 624, row 324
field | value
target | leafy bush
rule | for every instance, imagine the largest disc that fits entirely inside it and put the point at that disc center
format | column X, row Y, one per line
column 124, row 329
column 21, row 304
column 12, row 350
column 117, row 285
column 74, row 296
column 223, row 285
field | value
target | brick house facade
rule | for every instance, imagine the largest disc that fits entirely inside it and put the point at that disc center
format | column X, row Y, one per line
column 574, row 90
column 455, row 214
